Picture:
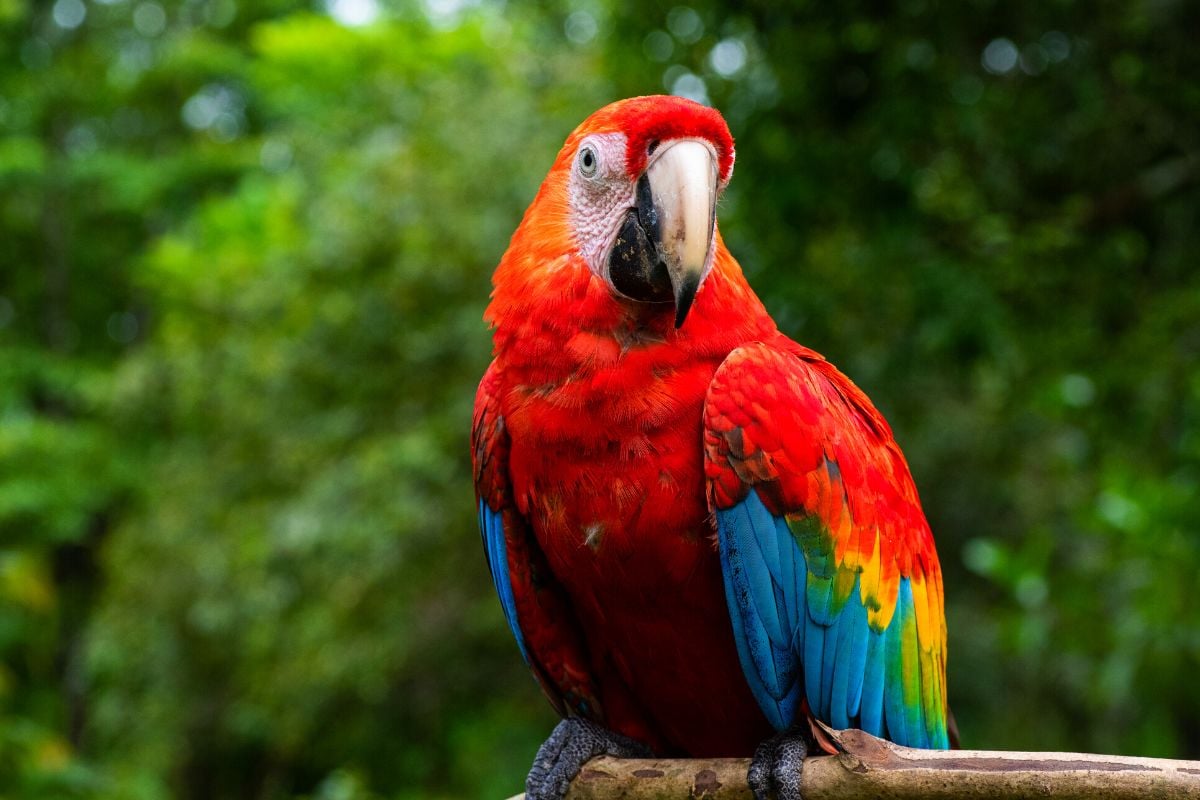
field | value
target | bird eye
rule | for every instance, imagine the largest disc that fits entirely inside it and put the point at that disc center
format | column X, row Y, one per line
column 588, row 162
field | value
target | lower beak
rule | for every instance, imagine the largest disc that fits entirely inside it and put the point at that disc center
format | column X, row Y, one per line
column 662, row 250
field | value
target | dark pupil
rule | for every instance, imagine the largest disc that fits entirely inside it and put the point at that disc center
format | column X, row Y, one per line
column 588, row 159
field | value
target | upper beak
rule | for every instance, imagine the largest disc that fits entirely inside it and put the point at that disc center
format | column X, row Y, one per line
column 681, row 184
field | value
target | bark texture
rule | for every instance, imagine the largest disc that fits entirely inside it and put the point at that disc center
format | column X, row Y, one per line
column 872, row 768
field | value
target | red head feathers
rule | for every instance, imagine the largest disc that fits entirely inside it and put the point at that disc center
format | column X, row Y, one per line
column 654, row 119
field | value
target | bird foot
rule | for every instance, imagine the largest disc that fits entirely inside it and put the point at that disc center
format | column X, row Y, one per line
column 573, row 743
column 777, row 766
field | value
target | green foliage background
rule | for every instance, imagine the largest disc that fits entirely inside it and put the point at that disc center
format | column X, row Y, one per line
column 244, row 250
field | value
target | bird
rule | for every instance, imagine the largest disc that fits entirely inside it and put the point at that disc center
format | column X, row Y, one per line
column 704, row 537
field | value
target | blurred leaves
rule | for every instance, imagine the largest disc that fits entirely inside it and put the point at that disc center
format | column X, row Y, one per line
column 247, row 248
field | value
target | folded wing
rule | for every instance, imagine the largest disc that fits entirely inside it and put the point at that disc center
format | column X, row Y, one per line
column 831, row 577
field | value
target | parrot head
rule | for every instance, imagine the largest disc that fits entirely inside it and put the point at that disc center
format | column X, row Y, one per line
column 632, row 197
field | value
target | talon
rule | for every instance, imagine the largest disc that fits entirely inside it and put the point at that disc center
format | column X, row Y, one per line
column 572, row 744
column 777, row 767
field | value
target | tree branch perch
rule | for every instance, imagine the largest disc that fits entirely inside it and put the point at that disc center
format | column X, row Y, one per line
column 869, row 767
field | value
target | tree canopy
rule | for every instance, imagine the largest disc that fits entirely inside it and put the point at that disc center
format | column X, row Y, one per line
column 246, row 249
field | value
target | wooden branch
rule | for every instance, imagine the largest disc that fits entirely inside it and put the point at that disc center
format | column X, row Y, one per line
column 869, row 767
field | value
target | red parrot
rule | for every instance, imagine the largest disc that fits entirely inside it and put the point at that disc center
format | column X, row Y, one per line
column 703, row 536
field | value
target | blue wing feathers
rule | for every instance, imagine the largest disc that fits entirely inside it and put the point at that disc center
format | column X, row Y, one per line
column 760, row 528
column 850, row 661
column 837, row 666
column 871, row 705
column 763, row 530
column 814, row 652
column 793, row 576
column 491, row 526
column 777, row 694
column 893, row 696
column 857, row 644
column 747, row 584
column 781, row 601
column 824, row 690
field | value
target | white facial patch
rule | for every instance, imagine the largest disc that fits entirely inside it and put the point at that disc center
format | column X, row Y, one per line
column 600, row 190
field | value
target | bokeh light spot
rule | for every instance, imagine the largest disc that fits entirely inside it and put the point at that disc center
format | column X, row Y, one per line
column 1058, row 46
column 982, row 556
column 580, row 27
column 658, row 46
column 1118, row 510
column 80, row 141
column 219, row 13
column 685, row 24
column 691, row 86
column 353, row 13
column 1000, row 56
column 149, row 19
column 728, row 57
column 216, row 109
column 1077, row 390
column 69, row 14
column 446, row 14
column 275, row 155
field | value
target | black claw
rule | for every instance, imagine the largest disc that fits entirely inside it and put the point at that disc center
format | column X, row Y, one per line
column 759, row 776
column 573, row 743
column 777, row 766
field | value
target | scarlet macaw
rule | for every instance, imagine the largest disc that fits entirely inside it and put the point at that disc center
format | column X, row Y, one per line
column 702, row 534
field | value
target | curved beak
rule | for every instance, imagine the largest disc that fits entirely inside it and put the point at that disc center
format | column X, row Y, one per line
column 680, row 190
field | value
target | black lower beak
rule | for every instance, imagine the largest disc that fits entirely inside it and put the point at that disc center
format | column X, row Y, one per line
column 634, row 265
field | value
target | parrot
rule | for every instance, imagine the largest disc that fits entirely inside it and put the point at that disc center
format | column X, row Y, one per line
column 704, row 537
